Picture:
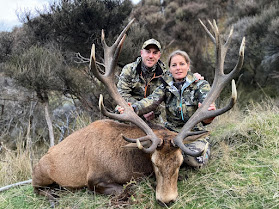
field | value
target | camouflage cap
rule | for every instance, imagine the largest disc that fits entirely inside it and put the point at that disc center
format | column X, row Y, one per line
column 151, row 42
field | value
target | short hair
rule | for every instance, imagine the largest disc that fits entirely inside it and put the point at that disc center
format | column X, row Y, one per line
column 181, row 53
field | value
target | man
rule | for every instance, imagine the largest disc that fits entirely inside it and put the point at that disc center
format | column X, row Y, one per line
column 140, row 78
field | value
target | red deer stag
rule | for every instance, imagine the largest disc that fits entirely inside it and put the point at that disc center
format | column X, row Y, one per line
column 97, row 156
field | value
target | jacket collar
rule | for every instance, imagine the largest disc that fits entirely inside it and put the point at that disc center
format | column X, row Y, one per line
column 168, row 79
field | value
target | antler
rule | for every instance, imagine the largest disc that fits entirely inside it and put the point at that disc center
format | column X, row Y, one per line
column 111, row 55
column 220, row 80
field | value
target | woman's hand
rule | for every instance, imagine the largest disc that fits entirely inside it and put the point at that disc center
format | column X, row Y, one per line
column 211, row 107
column 198, row 76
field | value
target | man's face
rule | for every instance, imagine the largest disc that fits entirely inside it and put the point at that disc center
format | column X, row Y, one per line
column 150, row 55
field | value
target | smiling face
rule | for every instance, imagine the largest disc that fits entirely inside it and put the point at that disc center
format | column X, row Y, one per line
column 150, row 55
column 179, row 67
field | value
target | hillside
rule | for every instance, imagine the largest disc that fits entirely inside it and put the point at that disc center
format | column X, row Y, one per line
column 242, row 173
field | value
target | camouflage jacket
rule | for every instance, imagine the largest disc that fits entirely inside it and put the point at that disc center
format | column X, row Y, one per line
column 180, row 103
column 133, row 86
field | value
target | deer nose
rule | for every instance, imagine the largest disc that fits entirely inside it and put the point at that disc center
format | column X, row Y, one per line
column 164, row 204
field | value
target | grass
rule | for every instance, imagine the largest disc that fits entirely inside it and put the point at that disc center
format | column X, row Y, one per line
column 242, row 173
column 14, row 165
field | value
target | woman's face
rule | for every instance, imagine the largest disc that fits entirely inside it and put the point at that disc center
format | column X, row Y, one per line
column 179, row 67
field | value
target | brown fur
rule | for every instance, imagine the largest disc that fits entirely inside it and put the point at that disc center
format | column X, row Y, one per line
column 94, row 157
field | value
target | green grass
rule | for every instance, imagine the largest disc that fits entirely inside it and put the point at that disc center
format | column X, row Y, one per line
column 243, row 172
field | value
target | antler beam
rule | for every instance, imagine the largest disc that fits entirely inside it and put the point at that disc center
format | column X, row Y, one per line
column 220, row 81
column 111, row 55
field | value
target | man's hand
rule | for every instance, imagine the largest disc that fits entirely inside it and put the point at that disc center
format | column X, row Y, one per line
column 211, row 107
column 149, row 116
column 121, row 109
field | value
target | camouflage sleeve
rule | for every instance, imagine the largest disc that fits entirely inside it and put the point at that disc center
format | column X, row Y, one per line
column 124, row 84
column 202, row 90
column 151, row 102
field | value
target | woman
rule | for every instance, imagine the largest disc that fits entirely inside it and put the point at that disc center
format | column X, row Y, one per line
column 182, row 93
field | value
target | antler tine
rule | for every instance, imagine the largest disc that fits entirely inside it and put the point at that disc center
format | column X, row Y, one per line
column 112, row 52
column 118, row 40
column 141, row 139
column 208, row 32
column 117, row 51
column 240, row 61
column 110, row 57
column 214, row 113
column 229, row 39
column 122, row 117
column 92, row 64
column 215, row 27
column 108, row 79
column 220, row 80
column 129, row 115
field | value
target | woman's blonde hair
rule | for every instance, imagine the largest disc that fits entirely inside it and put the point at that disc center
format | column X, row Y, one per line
column 181, row 53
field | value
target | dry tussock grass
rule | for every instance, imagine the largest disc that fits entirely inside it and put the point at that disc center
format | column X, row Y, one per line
column 15, row 165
